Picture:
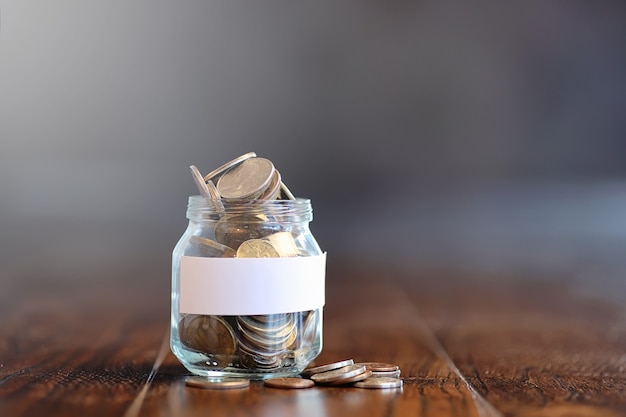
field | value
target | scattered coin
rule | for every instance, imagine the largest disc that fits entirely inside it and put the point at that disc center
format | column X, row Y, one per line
column 379, row 383
column 355, row 378
column 228, row 165
column 289, row 383
column 380, row 366
column 325, row 368
column 257, row 248
column 246, row 180
column 223, row 383
column 340, row 374
column 389, row 374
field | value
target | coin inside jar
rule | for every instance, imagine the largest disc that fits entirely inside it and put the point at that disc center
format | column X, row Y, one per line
column 212, row 248
column 257, row 248
column 232, row 231
column 207, row 334
column 222, row 383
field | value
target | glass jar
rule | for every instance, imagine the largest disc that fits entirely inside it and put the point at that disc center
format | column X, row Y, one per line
column 247, row 289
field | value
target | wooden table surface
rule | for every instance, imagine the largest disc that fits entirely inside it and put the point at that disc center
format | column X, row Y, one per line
column 90, row 341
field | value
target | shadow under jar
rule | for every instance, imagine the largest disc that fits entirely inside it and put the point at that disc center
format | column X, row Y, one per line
column 248, row 283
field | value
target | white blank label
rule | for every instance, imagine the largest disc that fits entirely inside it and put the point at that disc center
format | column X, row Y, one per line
column 249, row 286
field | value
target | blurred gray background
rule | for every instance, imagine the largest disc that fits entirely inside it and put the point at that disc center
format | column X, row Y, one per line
column 474, row 134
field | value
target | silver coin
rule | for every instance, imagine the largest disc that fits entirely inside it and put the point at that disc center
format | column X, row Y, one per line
column 223, row 383
column 257, row 248
column 310, row 328
column 380, row 366
column 233, row 230
column 355, row 378
column 325, row 368
column 228, row 165
column 285, row 193
column 379, row 383
column 246, row 180
column 284, row 243
column 213, row 248
column 340, row 374
column 273, row 189
column 389, row 374
column 200, row 183
column 215, row 195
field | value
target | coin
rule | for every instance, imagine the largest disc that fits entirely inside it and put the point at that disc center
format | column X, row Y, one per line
column 325, row 368
column 311, row 326
column 212, row 247
column 246, row 180
column 284, row 243
column 223, row 383
column 289, row 383
column 284, row 191
column 273, row 189
column 197, row 177
column 232, row 230
column 379, row 383
column 344, row 373
column 380, row 366
column 228, row 165
column 257, row 248
column 356, row 378
column 390, row 374
column 207, row 334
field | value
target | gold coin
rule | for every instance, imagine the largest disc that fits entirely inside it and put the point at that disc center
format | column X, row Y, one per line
column 207, row 334
column 338, row 374
column 289, row 383
column 325, row 368
column 379, row 383
column 257, row 248
column 222, row 383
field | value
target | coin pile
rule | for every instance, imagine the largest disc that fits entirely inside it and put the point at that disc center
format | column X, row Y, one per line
column 361, row 375
column 370, row 375
column 261, row 342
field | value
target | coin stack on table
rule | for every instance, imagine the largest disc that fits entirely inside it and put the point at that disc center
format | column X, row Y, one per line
column 263, row 342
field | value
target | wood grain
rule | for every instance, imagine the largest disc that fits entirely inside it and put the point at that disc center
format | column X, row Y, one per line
column 87, row 342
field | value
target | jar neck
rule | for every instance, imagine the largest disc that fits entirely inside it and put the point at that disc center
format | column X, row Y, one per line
column 293, row 211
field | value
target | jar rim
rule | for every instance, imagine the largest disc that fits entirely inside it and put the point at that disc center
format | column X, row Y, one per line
column 200, row 207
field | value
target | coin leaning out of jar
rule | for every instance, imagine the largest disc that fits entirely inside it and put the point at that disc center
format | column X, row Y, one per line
column 200, row 183
column 228, row 165
column 207, row 334
column 247, row 180
column 257, row 248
